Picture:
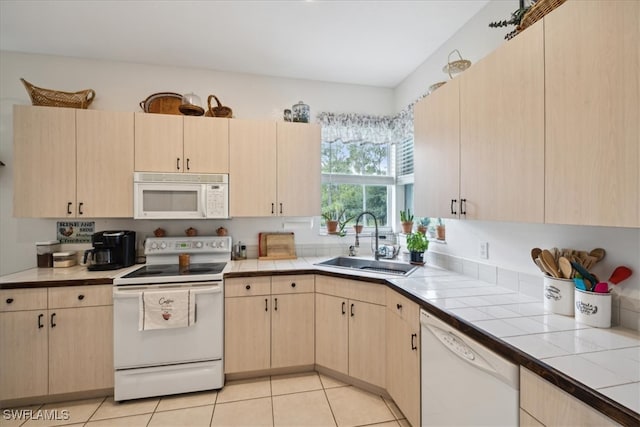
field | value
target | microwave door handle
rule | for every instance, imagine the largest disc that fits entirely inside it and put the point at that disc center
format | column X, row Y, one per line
column 203, row 200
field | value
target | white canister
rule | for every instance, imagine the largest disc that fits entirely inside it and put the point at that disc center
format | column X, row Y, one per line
column 593, row 309
column 558, row 295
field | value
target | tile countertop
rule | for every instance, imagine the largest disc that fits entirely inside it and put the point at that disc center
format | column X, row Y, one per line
column 605, row 360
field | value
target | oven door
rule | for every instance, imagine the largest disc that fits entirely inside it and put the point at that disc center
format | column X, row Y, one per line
column 201, row 341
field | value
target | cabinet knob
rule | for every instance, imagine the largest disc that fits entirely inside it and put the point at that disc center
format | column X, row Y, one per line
column 453, row 201
column 188, row 167
column 399, row 306
column 9, row 300
column 80, row 297
column 413, row 342
column 247, row 287
column 178, row 163
column 80, row 208
column 293, row 284
column 463, row 207
column 69, row 208
column 40, row 325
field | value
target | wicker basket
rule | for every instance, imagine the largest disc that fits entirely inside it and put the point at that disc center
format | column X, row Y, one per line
column 55, row 98
column 537, row 11
column 220, row 110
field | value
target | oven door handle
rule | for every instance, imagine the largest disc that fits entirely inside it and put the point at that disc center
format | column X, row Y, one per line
column 138, row 290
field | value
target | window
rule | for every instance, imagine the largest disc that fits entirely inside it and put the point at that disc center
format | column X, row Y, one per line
column 357, row 177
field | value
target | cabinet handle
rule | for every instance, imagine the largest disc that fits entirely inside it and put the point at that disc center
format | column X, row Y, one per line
column 40, row 325
column 293, row 284
column 273, row 206
column 463, row 207
column 344, row 307
column 247, row 287
column 80, row 297
column 453, row 201
column 280, row 208
column 413, row 343
column 188, row 168
column 275, row 306
column 53, row 323
column 178, row 163
column 69, row 208
column 9, row 300
column 80, row 208
column 266, row 304
column 399, row 306
column 352, row 313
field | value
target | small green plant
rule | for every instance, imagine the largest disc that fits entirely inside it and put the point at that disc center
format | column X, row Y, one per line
column 425, row 221
column 406, row 216
column 339, row 217
column 417, row 242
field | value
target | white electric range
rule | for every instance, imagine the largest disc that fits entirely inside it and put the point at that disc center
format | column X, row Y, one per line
column 152, row 355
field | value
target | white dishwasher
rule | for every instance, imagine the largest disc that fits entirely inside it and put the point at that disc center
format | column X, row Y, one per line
column 463, row 382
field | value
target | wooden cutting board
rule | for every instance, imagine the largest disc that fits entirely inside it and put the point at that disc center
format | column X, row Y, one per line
column 277, row 246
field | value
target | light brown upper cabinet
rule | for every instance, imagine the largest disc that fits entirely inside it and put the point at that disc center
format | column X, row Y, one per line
column 437, row 152
column 479, row 139
column 72, row 163
column 274, row 168
column 502, row 132
column 592, row 154
column 172, row 143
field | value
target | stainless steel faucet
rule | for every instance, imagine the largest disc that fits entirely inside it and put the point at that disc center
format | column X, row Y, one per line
column 376, row 254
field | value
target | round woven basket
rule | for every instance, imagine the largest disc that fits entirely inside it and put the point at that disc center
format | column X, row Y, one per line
column 56, row 98
column 220, row 110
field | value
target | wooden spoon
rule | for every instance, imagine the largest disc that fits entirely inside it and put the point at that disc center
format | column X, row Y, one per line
column 549, row 261
column 565, row 267
column 598, row 253
column 535, row 254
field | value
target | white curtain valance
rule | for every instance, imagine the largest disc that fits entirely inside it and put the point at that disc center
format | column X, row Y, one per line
column 363, row 129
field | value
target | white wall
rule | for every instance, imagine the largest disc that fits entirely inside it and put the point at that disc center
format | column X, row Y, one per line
column 510, row 243
column 121, row 87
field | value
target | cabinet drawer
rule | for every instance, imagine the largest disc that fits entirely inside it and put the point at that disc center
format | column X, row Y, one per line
column 403, row 307
column 351, row 289
column 292, row 284
column 80, row 296
column 23, row 299
column 247, row 286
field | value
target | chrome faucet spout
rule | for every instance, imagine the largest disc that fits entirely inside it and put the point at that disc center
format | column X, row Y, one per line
column 376, row 253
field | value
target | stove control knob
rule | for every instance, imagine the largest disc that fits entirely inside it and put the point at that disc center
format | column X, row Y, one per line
column 163, row 245
column 154, row 245
column 198, row 244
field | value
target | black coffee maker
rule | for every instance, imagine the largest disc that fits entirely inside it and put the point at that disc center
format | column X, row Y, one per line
column 111, row 250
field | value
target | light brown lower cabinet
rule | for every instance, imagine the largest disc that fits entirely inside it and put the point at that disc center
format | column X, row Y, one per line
column 546, row 405
column 403, row 355
column 269, row 323
column 55, row 340
column 350, row 328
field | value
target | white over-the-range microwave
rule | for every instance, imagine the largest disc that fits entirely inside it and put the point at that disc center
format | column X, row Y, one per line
column 180, row 196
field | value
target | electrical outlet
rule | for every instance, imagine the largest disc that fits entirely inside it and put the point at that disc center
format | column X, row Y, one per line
column 484, row 250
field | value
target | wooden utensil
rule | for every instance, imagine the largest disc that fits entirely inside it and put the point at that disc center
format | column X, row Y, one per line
column 565, row 267
column 535, row 253
column 549, row 261
column 598, row 253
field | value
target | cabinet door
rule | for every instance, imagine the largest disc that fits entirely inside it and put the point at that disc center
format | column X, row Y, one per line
column 332, row 333
column 437, row 153
column 502, row 132
column 80, row 349
column 206, row 145
column 367, row 348
column 298, row 169
column 158, row 143
column 292, row 330
column 247, row 342
column 403, row 366
column 44, row 153
column 592, row 107
column 104, row 164
column 23, row 354
column 252, row 168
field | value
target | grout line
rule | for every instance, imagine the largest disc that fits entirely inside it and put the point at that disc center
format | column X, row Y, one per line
column 273, row 415
column 335, row 421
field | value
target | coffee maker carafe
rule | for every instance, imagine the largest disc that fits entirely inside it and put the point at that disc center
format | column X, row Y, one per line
column 111, row 250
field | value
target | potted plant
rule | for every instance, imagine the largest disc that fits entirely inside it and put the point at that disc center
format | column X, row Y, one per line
column 423, row 225
column 417, row 244
column 331, row 221
column 440, row 230
column 336, row 221
column 406, row 218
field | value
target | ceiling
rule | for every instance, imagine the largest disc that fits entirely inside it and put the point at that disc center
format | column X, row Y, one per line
column 375, row 43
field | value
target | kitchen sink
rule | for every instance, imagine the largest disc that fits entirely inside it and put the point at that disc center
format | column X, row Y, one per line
column 374, row 266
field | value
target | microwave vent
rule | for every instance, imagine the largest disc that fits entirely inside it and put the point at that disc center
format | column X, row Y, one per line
column 191, row 178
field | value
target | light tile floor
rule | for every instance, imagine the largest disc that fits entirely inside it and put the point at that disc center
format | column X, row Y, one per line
column 300, row 400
